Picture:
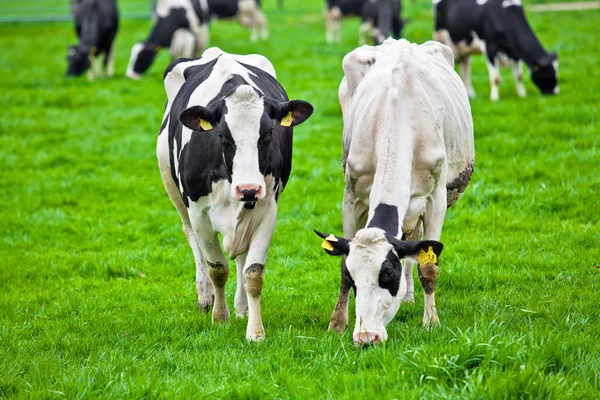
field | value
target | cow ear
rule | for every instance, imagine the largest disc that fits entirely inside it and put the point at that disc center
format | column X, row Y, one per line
column 291, row 113
column 198, row 118
column 334, row 245
column 424, row 251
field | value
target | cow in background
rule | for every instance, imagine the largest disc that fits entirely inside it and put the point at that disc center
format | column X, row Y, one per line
column 499, row 29
column 180, row 26
column 225, row 156
column 380, row 19
column 408, row 156
column 248, row 12
column 96, row 24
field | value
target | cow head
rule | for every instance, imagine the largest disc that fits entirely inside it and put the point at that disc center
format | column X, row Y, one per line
column 373, row 266
column 249, row 127
column 544, row 73
column 78, row 60
column 142, row 56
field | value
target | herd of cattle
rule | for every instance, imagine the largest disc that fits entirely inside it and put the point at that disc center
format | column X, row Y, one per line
column 225, row 143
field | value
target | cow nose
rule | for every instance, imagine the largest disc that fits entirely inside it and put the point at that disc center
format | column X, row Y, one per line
column 248, row 192
column 366, row 338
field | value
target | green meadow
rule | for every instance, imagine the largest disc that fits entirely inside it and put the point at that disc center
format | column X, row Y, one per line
column 97, row 294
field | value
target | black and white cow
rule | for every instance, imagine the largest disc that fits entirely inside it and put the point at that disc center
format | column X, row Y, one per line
column 408, row 155
column 499, row 29
column 96, row 24
column 248, row 12
column 225, row 156
column 380, row 19
column 180, row 26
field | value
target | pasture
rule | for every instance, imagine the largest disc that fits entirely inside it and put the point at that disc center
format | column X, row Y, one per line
column 97, row 295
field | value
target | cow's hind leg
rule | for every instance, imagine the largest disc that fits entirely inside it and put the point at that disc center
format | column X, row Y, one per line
column 204, row 286
column 241, row 298
column 435, row 211
column 518, row 75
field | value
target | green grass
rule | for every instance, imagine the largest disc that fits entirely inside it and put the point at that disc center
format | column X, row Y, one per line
column 97, row 294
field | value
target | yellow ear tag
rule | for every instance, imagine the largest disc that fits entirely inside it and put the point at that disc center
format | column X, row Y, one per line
column 427, row 258
column 432, row 256
column 331, row 238
column 205, row 125
column 287, row 120
column 94, row 50
column 326, row 245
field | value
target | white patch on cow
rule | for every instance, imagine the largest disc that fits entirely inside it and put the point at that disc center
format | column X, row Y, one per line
column 510, row 3
column 481, row 2
column 436, row 2
column 244, row 111
column 183, row 44
column 135, row 51
column 375, row 306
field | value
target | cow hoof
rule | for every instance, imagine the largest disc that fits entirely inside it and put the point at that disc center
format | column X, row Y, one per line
column 430, row 323
column 338, row 326
column 220, row 315
column 257, row 336
column 205, row 304
column 409, row 298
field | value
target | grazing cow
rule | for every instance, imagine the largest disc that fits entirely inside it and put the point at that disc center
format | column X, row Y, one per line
column 179, row 25
column 225, row 156
column 380, row 19
column 247, row 11
column 407, row 155
column 96, row 24
column 499, row 29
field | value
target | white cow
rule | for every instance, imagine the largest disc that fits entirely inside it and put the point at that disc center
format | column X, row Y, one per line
column 408, row 156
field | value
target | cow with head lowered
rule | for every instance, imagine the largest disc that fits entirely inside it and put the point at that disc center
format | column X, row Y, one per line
column 96, row 25
column 499, row 29
column 225, row 156
column 380, row 19
column 181, row 26
column 408, row 155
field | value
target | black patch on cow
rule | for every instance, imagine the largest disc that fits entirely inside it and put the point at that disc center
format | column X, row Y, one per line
column 173, row 64
column 160, row 36
column 386, row 218
column 215, row 265
column 255, row 268
column 223, row 8
column 390, row 273
column 202, row 14
column 347, row 280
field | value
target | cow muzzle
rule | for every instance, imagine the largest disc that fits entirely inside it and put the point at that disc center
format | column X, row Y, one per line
column 366, row 338
column 249, row 194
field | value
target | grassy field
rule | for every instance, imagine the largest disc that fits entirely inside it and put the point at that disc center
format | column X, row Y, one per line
column 97, row 294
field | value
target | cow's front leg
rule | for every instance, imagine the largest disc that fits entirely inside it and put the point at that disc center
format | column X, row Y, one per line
column 110, row 61
column 435, row 211
column 339, row 317
column 254, row 271
column 354, row 215
column 465, row 73
column 217, row 266
column 408, row 264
